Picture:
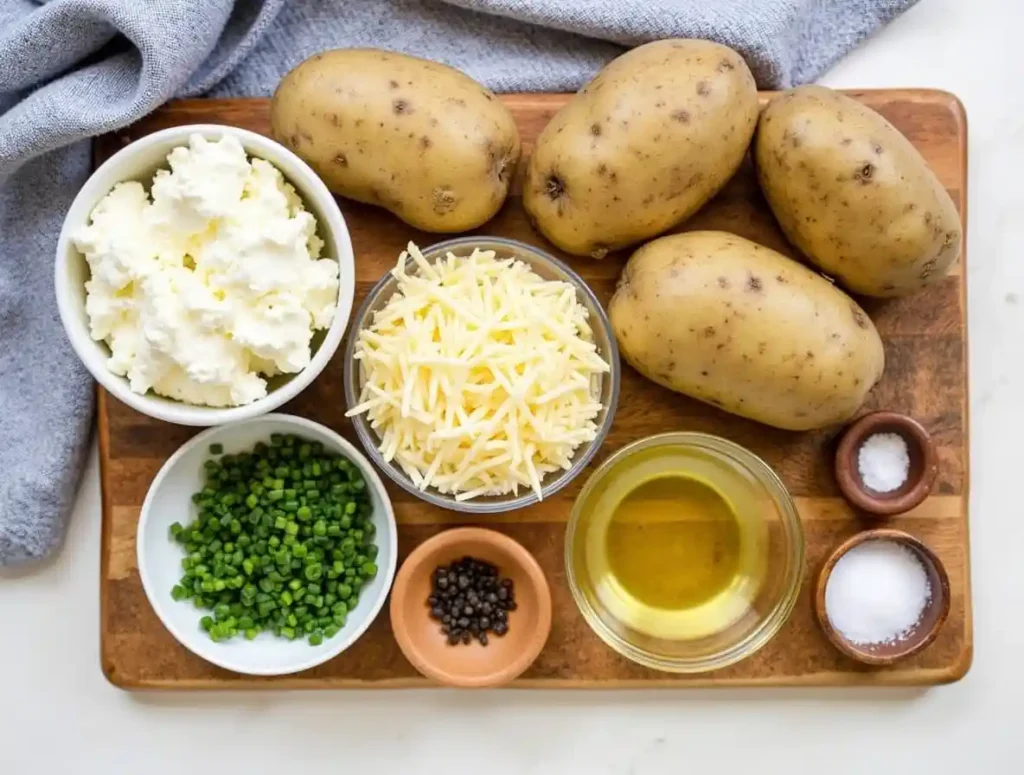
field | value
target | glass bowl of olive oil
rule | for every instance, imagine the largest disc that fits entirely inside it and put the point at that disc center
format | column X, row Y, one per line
column 684, row 552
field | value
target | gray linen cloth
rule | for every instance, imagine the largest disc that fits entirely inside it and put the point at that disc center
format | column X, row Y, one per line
column 71, row 69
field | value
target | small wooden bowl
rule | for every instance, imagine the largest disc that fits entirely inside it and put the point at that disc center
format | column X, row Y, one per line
column 932, row 618
column 920, row 476
column 473, row 665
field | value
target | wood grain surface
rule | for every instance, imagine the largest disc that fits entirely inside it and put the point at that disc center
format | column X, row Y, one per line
column 926, row 362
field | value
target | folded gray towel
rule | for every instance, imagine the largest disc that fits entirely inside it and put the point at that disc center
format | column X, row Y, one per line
column 71, row 69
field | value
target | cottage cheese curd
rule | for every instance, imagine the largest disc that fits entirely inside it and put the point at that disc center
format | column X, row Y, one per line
column 209, row 283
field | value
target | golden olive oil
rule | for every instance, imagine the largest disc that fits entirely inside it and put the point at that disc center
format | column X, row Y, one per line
column 674, row 543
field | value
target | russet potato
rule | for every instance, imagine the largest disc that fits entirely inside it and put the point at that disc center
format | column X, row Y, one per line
column 418, row 138
column 853, row 194
column 642, row 146
column 740, row 326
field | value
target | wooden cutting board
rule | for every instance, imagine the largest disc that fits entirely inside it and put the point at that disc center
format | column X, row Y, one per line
column 925, row 342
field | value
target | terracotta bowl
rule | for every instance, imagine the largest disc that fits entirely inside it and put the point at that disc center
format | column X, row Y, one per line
column 932, row 618
column 920, row 477
column 473, row 665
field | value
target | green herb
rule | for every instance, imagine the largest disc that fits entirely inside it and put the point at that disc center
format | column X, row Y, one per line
column 276, row 529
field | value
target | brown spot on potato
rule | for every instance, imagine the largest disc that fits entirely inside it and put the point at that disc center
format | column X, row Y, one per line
column 858, row 317
column 876, row 148
column 723, row 282
column 340, row 159
column 335, row 121
column 762, row 348
column 754, row 283
column 682, row 116
column 293, row 140
column 600, row 250
column 709, row 331
column 703, row 88
column 928, row 268
column 595, row 130
column 433, row 122
column 425, row 142
column 393, row 84
column 846, row 141
column 780, row 279
column 602, row 170
column 703, row 373
column 401, row 107
column 554, row 187
column 864, row 173
column 443, row 200
column 724, row 65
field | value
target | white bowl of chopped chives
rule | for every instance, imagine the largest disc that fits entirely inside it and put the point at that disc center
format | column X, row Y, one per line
column 267, row 546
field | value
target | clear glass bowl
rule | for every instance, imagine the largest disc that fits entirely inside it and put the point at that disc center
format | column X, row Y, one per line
column 605, row 388
column 778, row 544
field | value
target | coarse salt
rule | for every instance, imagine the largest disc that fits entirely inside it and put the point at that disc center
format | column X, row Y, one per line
column 883, row 462
column 877, row 592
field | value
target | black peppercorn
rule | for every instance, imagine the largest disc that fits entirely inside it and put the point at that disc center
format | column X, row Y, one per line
column 470, row 600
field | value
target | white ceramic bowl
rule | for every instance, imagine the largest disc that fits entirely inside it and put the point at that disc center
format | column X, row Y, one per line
column 169, row 500
column 139, row 161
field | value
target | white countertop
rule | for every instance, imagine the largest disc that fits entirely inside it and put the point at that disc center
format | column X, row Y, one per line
column 58, row 713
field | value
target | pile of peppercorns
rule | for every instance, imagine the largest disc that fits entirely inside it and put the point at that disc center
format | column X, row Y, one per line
column 471, row 600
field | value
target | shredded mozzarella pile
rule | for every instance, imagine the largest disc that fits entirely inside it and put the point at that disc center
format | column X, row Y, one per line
column 478, row 375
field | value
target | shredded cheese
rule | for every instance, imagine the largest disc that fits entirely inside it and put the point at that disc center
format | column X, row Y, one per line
column 478, row 375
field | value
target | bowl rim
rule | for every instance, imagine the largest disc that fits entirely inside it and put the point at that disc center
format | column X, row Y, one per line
column 768, row 628
column 579, row 462
column 331, row 225
column 344, row 640
column 455, row 537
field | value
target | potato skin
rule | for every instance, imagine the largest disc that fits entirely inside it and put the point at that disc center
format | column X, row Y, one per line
column 853, row 194
column 642, row 146
column 418, row 138
column 737, row 325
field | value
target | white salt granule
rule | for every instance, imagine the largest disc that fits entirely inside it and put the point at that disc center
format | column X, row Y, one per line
column 883, row 462
column 877, row 592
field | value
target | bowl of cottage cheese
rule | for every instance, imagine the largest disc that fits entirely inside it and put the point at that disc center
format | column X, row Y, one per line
column 204, row 275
